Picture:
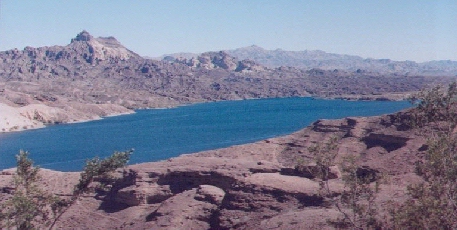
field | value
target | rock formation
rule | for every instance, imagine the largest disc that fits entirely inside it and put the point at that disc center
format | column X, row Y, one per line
column 100, row 49
column 221, row 59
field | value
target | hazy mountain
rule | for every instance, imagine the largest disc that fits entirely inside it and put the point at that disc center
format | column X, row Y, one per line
column 303, row 59
column 309, row 59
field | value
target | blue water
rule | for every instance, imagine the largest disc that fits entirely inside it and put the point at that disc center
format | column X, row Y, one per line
column 159, row 134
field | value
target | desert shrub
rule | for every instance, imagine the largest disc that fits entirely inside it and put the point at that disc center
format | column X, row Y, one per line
column 432, row 204
column 435, row 106
column 324, row 156
column 357, row 202
column 101, row 170
column 30, row 206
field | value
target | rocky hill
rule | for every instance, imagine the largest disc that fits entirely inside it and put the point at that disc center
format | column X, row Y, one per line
column 252, row 186
column 93, row 77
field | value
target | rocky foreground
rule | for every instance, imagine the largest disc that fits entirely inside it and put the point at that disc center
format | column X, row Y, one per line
column 252, row 186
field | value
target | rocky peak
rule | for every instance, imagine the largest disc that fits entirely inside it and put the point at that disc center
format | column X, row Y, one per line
column 99, row 49
column 84, row 36
column 251, row 48
column 255, row 47
column 220, row 59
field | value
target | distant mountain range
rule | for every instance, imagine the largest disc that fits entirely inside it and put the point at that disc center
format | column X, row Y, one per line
column 309, row 59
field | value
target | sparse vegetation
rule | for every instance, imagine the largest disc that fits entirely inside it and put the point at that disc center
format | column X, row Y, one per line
column 436, row 107
column 357, row 202
column 432, row 204
column 325, row 155
column 29, row 204
column 30, row 207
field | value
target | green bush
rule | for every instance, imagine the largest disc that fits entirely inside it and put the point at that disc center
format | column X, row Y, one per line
column 357, row 202
column 432, row 204
column 30, row 207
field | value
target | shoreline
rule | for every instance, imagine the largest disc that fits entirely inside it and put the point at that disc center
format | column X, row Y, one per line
column 28, row 123
column 101, row 117
column 301, row 101
column 18, row 119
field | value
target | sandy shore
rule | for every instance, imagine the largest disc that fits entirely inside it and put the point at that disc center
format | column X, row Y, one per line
column 35, row 116
column 12, row 119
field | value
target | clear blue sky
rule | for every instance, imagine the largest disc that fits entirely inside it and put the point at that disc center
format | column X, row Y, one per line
column 400, row 30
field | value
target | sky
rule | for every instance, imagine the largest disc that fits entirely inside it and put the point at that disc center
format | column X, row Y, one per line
column 399, row 30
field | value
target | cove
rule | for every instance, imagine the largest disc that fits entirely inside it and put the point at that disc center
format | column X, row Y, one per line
column 158, row 134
